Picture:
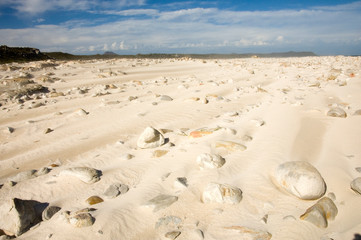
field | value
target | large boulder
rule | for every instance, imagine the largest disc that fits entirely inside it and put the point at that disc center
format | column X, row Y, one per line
column 150, row 138
column 17, row 215
column 301, row 179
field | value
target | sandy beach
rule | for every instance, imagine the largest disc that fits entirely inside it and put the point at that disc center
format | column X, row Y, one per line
column 254, row 148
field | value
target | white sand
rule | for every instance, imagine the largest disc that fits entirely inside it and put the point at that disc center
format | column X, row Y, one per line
column 281, row 105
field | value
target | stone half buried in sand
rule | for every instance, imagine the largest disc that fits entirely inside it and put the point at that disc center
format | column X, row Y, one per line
column 79, row 219
column 229, row 145
column 249, row 233
column 356, row 185
column 17, row 215
column 300, row 179
column 202, row 132
column 161, row 201
column 85, row 174
column 221, row 193
column 150, row 138
column 319, row 214
column 210, row 161
column 337, row 112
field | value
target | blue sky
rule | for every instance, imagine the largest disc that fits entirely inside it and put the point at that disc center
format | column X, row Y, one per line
column 326, row 27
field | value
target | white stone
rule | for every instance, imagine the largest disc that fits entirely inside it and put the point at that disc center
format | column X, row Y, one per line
column 150, row 138
column 85, row 174
column 321, row 212
column 300, row 179
column 356, row 185
column 221, row 193
column 210, row 161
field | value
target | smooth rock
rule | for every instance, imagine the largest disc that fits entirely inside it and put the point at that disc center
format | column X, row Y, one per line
column 161, row 201
column 321, row 212
column 337, row 112
column 249, row 233
column 150, row 138
column 85, row 174
column 172, row 235
column 94, row 200
column 166, row 98
column 356, row 185
column 81, row 220
column 80, row 112
column 300, row 179
column 181, row 182
column 221, row 193
column 17, row 215
column 49, row 212
column 210, row 161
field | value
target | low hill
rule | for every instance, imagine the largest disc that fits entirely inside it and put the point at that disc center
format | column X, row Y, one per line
column 20, row 54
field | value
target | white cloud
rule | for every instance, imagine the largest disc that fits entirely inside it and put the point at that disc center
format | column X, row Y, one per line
column 34, row 7
column 198, row 29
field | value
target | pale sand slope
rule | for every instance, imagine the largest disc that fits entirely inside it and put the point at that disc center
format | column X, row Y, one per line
column 275, row 107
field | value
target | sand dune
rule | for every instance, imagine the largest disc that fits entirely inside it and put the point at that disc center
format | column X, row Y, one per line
column 255, row 113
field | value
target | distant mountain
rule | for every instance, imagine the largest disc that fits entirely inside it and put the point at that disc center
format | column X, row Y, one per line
column 20, row 54
column 110, row 53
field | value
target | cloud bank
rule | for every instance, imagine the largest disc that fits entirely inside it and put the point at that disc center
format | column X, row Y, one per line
column 324, row 30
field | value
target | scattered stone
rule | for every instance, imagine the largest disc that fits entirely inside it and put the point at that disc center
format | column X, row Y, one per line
column 357, row 112
column 42, row 171
column 172, row 235
column 159, row 153
column 81, row 112
column 356, row 185
column 10, row 129
column 169, row 220
column 18, row 216
column 85, row 174
column 247, row 138
column 49, row 212
column 230, row 146
column 166, row 98
column 202, row 132
column 221, row 193
column 161, row 201
column 300, row 179
column 321, row 212
column 48, row 130
column 358, row 169
column 24, row 176
column 132, row 98
column 210, row 161
column 249, row 233
column 150, row 138
column 337, row 112
column 115, row 190
column 36, row 105
column 126, row 156
column 181, row 182
column 94, row 200
column 81, row 220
